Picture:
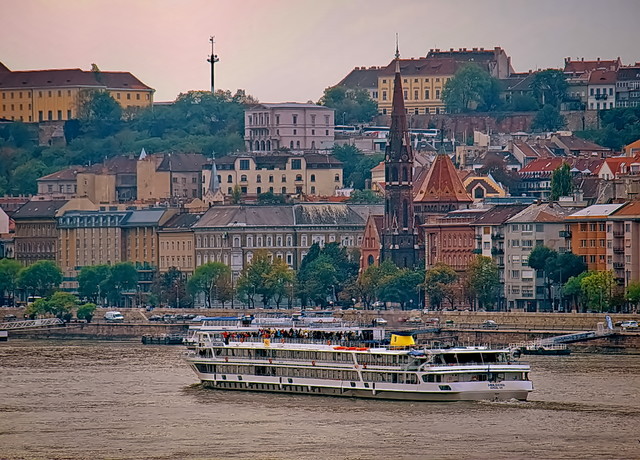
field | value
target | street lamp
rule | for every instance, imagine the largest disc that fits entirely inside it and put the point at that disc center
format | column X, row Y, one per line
column 344, row 116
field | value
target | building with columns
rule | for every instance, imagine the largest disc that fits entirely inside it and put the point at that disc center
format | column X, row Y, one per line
column 291, row 125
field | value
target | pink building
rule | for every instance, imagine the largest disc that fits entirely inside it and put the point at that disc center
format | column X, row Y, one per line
column 290, row 125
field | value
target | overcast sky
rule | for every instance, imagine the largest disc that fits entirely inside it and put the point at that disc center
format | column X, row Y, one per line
column 290, row 50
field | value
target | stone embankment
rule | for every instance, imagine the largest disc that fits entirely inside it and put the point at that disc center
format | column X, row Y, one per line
column 464, row 326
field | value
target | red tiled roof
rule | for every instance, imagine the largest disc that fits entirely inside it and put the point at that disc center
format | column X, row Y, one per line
column 586, row 66
column 361, row 77
column 442, row 183
column 617, row 165
column 422, row 66
column 631, row 209
column 603, row 77
column 56, row 78
column 542, row 166
column 64, row 174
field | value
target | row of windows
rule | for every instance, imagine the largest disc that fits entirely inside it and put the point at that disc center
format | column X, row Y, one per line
column 46, row 247
column 175, row 245
column 418, row 111
column 174, row 261
column 283, row 178
column 263, row 119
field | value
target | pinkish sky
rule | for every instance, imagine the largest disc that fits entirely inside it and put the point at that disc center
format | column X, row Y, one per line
column 290, row 50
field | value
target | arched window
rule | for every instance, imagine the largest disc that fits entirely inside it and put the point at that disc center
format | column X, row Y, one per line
column 336, row 178
column 298, row 177
column 394, row 174
column 291, row 144
column 269, row 145
column 243, row 178
column 313, row 177
column 313, row 190
column 405, row 214
column 405, row 176
column 262, row 146
column 370, row 260
column 229, row 179
column 259, row 179
column 284, row 190
column 297, row 144
column 478, row 192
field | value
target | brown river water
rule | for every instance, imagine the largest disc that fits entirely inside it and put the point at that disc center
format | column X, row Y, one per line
column 117, row 400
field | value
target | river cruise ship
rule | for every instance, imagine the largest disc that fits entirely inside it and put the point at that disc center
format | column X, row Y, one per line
column 395, row 372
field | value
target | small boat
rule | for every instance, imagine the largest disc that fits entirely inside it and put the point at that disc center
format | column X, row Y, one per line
column 539, row 347
column 164, row 339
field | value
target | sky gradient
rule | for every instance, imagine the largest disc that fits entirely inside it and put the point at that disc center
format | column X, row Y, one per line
column 290, row 50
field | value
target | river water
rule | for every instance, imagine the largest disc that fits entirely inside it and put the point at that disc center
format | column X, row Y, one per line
column 117, row 400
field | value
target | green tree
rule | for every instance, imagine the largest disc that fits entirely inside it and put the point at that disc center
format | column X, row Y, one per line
column 598, row 289
column 99, row 111
column 548, row 119
column 236, row 194
column 350, row 105
column 279, row 281
column 573, row 290
column 561, row 182
column 271, row 198
column 61, row 304
column 206, row 279
column 9, row 275
column 123, row 277
column 367, row 285
column 470, row 88
column 438, row 284
column 40, row 278
column 356, row 165
column 484, row 281
column 38, row 308
column 524, row 103
column 254, row 279
column 543, row 259
column 633, row 292
column 550, row 87
column 365, row 197
column 91, row 282
column 403, row 287
column 86, row 311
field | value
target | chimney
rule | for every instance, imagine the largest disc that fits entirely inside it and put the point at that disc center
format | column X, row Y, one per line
column 451, row 49
column 481, row 49
column 475, row 49
column 582, row 59
column 567, row 60
column 598, row 58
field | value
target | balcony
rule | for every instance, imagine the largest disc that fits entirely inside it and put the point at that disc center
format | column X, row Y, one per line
column 618, row 233
column 618, row 265
column 601, row 97
column 497, row 236
column 565, row 233
column 496, row 251
column 618, row 250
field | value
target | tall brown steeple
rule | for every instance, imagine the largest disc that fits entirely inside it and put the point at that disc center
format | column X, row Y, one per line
column 399, row 235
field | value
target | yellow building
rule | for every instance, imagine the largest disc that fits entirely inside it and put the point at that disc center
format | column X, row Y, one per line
column 54, row 95
column 423, row 80
column 176, row 242
column 280, row 173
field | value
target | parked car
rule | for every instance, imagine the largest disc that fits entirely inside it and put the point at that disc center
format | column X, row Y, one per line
column 489, row 323
column 380, row 321
column 628, row 324
column 9, row 318
column 415, row 320
column 155, row 318
column 114, row 316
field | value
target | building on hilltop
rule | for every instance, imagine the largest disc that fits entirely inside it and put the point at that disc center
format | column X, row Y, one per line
column 423, row 80
column 495, row 61
column 56, row 94
column 288, row 125
column 363, row 78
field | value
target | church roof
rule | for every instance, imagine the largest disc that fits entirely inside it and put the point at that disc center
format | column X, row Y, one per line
column 442, row 184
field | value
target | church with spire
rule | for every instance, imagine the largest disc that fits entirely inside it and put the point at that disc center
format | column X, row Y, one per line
column 413, row 197
column 399, row 235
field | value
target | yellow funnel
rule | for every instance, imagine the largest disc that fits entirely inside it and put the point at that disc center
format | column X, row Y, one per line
column 402, row 340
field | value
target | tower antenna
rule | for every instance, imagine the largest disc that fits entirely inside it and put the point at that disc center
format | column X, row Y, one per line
column 213, row 58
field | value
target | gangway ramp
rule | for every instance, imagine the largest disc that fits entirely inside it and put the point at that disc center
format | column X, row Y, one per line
column 31, row 324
